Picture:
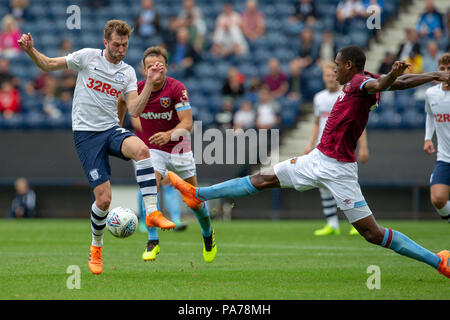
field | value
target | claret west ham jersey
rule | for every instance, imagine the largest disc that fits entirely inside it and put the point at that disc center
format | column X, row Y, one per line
column 99, row 82
column 348, row 118
column 160, row 114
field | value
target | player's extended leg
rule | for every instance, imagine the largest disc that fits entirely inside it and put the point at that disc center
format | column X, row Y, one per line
column 394, row 240
column 234, row 188
column 439, row 198
column 134, row 148
column 330, row 211
column 99, row 212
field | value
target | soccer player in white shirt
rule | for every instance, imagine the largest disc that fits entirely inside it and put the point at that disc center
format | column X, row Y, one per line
column 437, row 106
column 102, row 77
column 323, row 103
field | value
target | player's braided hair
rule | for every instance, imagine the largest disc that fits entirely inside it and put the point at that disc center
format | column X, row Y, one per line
column 354, row 54
column 444, row 59
column 118, row 26
column 155, row 52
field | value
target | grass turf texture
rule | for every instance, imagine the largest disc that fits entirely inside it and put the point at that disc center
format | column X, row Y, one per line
column 256, row 260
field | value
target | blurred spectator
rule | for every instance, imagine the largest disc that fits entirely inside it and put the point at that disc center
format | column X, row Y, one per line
column 169, row 35
column 9, row 36
column 309, row 49
column 374, row 7
column 431, row 56
column 416, row 62
column 295, row 90
column 276, row 80
column 147, row 23
column 19, row 10
column 386, row 65
column 225, row 117
column 234, row 84
column 411, row 45
column 184, row 55
column 267, row 109
column 431, row 22
column 9, row 100
column 253, row 89
column 244, row 118
column 192, row 18
column 50, row 101
column 66, row 82
column 24, row 202
column 253, row 21
column 346, row 12
column 328, row 50
column 304, row 13
column 229, row 40
column 5, row 74
column 228, row 18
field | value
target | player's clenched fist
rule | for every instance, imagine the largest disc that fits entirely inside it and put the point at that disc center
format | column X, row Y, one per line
column 443, row 76
column 428, row 147
column 399, row 68
column 26, row 42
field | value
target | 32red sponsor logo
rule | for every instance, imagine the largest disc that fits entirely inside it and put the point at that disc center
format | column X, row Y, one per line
column 104, row 87
column 442, row 117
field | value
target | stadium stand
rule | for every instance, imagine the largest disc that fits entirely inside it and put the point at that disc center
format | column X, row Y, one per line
column 46, row 20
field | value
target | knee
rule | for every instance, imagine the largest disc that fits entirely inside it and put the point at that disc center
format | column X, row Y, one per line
column 103, row 200
column 438, row 201
column 142, row 152
column 264, row 181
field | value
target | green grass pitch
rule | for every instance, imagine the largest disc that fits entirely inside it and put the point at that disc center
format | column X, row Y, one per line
column 256, row 260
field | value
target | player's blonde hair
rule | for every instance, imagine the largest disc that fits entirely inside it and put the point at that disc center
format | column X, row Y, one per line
column 444, row 59
column 155, row 51
column 118, row 26
column 328, row 65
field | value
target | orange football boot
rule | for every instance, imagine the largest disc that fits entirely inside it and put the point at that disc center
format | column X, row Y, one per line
column 444, row 266
column 95, row 260
column 157, row 220
column 186, row 189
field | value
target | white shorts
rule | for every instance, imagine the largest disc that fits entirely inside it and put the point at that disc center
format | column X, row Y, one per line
column 316, row 170
column 183, row 164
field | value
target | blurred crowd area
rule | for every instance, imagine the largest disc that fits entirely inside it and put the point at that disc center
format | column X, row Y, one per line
column 246, row 64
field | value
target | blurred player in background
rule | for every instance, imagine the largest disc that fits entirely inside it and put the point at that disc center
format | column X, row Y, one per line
column 323, row 103
column 437, row 107
column 102, row 77
column 166, row 121
column 333, row 163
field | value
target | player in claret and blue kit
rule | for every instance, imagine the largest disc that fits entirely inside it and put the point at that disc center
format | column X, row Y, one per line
column 102, row 77
column 166, row 122
column 333, row 163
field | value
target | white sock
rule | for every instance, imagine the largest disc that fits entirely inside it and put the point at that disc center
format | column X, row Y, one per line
column 333, row 221
column 145, row 176
column 445, row 211
column 98, row 223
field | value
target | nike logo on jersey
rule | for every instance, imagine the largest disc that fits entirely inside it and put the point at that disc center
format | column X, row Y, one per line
column 157, row 115
column 102, row 87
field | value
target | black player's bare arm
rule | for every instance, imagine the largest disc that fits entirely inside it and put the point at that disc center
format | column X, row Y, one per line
column 183, row 128
column 412, row 80
column 42, row 61
column 385, row 82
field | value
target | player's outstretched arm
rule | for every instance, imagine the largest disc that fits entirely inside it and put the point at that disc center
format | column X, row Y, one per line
column 412, row 80
column 43, row 62
column 385, row 82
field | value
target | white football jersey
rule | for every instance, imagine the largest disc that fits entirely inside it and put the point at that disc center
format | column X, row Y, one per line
column 437, row 106
column 99, row 82
column 323, row 103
